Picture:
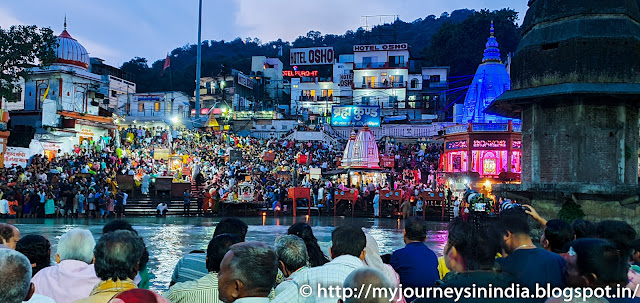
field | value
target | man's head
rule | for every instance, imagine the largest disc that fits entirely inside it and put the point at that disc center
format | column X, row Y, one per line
column 9, row 235
column 348, row 240
column 292, row 254
column 218, row 247
column 512, row 229
column 596, row 263
column 620, row 233
column 15, row 277
column 368, row 277
column 233, row 226
column 414, row 230
column 117, row 255
column 557, row 234
column 117, row 225
column 469, row 248
column 583, row 229
column 248, row 270
column 76, row 244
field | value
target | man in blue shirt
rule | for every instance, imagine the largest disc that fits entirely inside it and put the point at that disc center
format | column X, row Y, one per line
column 416, row 264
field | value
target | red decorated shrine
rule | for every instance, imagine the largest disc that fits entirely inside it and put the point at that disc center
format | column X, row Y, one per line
column 487, row 150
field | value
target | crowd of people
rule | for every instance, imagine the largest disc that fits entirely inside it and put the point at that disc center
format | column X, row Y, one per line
column 82, row 183
column 499, row 254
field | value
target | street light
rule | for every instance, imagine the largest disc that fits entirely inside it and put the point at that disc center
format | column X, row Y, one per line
column 175, row 120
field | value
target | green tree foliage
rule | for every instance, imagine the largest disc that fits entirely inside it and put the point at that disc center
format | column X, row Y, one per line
column 23, row 47
column 237, row 54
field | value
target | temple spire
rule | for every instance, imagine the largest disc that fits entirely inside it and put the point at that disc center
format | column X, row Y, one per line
column 491, row 51
column 65, row 21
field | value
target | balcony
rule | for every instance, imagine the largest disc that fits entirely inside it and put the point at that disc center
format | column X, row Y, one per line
column 380, row 65
column 379, row 85
column 134, row 112
column 314, row 98
column 442, row 84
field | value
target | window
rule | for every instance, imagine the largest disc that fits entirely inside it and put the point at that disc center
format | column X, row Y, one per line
column 180, row 108
column 414, row 83
column 397, row 80
column 434, row 78
column 369, row 81
column 392, row 101
column 169, row 107
column 365, row 100
column 396, row 61
column 366, row 62
column 308, row 95
column 140, row 107
column 156, row 106
column 114, row 93
column 327, row 95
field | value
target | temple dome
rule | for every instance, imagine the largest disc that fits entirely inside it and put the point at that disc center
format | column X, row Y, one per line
column 490, row 81
column 70, row 51
column 364, row 151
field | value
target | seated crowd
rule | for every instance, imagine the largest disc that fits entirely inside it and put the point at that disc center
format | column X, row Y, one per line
column 494, row 254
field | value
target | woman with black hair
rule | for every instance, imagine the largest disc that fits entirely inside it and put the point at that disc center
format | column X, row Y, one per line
column 37, row 249
column 303, row 230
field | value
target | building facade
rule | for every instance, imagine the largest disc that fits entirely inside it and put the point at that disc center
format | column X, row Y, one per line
column 380, row 75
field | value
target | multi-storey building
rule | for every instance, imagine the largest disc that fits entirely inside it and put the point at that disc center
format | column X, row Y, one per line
column 380, row 75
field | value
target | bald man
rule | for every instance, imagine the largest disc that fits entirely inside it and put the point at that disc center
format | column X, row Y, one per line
column 9, row 236
column 367, row 276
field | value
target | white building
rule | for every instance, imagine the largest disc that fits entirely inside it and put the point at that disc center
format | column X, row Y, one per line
column 380, row 76
column 268, row 73
column 66, row 98
column 316, row 95
column 155, row 109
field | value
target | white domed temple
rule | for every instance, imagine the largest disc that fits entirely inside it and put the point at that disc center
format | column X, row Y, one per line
column 63, row 102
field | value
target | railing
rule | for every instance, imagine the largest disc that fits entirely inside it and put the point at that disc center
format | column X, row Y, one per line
column 134, row 112
column 437, row 84
column 381, row 65
column 380, row 84
column 398, row 131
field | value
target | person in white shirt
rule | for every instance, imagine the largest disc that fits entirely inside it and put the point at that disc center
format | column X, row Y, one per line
column 347, row 252
column 4, row 207
column 293, row 260
column 162, row 208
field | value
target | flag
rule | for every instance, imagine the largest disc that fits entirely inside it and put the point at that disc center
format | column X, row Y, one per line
column 46, row 92
column 167, row 63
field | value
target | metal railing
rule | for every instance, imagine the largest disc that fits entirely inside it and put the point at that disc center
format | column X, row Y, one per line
column 135, row 112
column 402, row 84
column 364, row 65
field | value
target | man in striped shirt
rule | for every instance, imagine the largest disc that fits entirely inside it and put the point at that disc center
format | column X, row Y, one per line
column 193, row 266
column 205, row 289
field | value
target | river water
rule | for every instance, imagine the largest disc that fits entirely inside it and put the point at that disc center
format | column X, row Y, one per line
column 168, row 239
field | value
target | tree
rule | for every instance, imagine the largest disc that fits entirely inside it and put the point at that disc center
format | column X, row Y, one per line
column 21, row 48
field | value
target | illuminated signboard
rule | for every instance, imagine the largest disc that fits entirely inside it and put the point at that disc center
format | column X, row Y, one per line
column 490, row 143
column 457, row 129
column 245, row 81
column 516, row 144
column 311, row 56
column 380, row 47
column 457, row 144
column 299, row 73
column 490, row 127
column 346, row 79
column 355, row 115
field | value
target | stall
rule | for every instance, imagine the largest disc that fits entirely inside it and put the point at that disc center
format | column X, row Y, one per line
column 435, row 202
column 350, row 196
column 390, row 201
column 296, row 193
column 246, row 193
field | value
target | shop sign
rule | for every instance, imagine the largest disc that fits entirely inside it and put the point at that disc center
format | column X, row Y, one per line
column 456, row 129
column 516, row 144
column 16, row 156
column 355, row 115
column 457, row 144
column 490, row 143
column 388, row 161
column 299, row 73
column 490, row 127
column 245, row 81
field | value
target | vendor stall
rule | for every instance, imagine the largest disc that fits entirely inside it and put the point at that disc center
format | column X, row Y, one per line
column 350, row 196
column 390, row 201
column 296, row 193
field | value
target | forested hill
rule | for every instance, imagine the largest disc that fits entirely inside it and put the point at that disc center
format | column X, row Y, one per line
column 455, row 40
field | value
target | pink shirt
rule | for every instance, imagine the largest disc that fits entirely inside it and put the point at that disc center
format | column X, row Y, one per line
column 67, row 281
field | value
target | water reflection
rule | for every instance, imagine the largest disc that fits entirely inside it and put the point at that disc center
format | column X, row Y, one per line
column 168, row 239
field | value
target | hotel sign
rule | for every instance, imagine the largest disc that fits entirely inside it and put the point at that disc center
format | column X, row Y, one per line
column 381, row 47
column 311, row 56
column 299, row 73
column 490, row 127
column 355, row 115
